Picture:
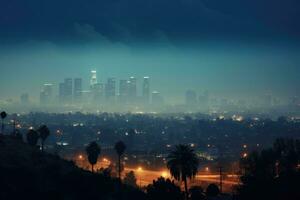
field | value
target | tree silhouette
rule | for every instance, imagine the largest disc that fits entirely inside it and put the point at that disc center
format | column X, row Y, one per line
column 130, row 179
column 44, row 134
column 120, row 148
column 17, row 134
column 272, row 173
column 3, row 116
column 197, row 193
column 163, row 189
column 93, row 151
column 183, row 164
column 32, row 137
column 212, row 190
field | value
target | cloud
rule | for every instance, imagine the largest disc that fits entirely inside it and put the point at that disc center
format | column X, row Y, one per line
column 129, row 21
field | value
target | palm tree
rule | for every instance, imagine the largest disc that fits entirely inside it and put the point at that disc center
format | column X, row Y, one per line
column 183, row 164
column 44, row 134
column 93, row 151
column 32, row 137
column 120, row 148
column 3, row 116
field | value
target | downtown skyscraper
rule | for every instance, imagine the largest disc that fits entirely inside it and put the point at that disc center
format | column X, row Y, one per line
column 146, row 90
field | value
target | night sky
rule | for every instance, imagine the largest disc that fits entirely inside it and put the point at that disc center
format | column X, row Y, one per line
column 231, row 48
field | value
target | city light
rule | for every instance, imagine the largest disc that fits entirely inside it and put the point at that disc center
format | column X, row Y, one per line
column 164, row 174
column 139, row 169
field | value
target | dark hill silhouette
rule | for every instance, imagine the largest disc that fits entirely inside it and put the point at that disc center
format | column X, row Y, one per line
column 26, row 173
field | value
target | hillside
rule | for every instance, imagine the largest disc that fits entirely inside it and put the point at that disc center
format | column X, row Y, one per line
column 28, row 174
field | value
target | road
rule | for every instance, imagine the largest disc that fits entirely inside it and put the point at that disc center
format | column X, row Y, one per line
column 146, row 177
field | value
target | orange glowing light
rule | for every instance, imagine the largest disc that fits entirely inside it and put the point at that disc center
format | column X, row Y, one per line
column 164, row 174
column 139, row 169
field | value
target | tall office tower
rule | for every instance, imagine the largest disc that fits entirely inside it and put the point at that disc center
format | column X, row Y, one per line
column 61, row 92
column 204, row 100
column 48, row 88
column 97, row 92
column 191, row 98
column 24, row 99
column 132, row 89
column 43, row 98
column 146, row 90
column 77, row 89
column 110, row 90
column 93, row 80
column 157, row 99
column 68, row 90
column 46, row 94
column 123, row 91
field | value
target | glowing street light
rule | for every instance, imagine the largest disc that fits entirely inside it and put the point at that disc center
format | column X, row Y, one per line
column 207, row 169
column 164, row 174
column 139, row 169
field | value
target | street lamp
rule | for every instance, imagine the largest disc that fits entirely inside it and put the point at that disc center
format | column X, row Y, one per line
column 164, row 174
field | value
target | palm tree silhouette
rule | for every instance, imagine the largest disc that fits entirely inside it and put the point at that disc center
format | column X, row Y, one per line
column 44, row 134
column 183, row 164
column 32, row 137
column 93, row 151
column 120, row 148
column 3, row 116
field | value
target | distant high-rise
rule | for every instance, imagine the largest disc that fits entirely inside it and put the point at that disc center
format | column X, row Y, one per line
column 77, row 89
column 110, row 90
column 46, row 94
column 68, row 89
column 94, row 80
column 132, row 89
column 123, row 91
column 43, row 98
column 157, row 99
column 98, row 93
column 146, row 90
column 61, row 92
column 204, row 101
column 191, row 98
column 48, row 88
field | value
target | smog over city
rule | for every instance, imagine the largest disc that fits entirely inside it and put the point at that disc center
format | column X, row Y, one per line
column 121, row 88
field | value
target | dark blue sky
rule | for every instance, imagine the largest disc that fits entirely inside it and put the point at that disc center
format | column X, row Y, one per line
column 232, row 47
column 136, row 20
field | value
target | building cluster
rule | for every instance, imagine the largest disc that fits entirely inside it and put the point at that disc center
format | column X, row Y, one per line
column 71, row 92
column 193, row 100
